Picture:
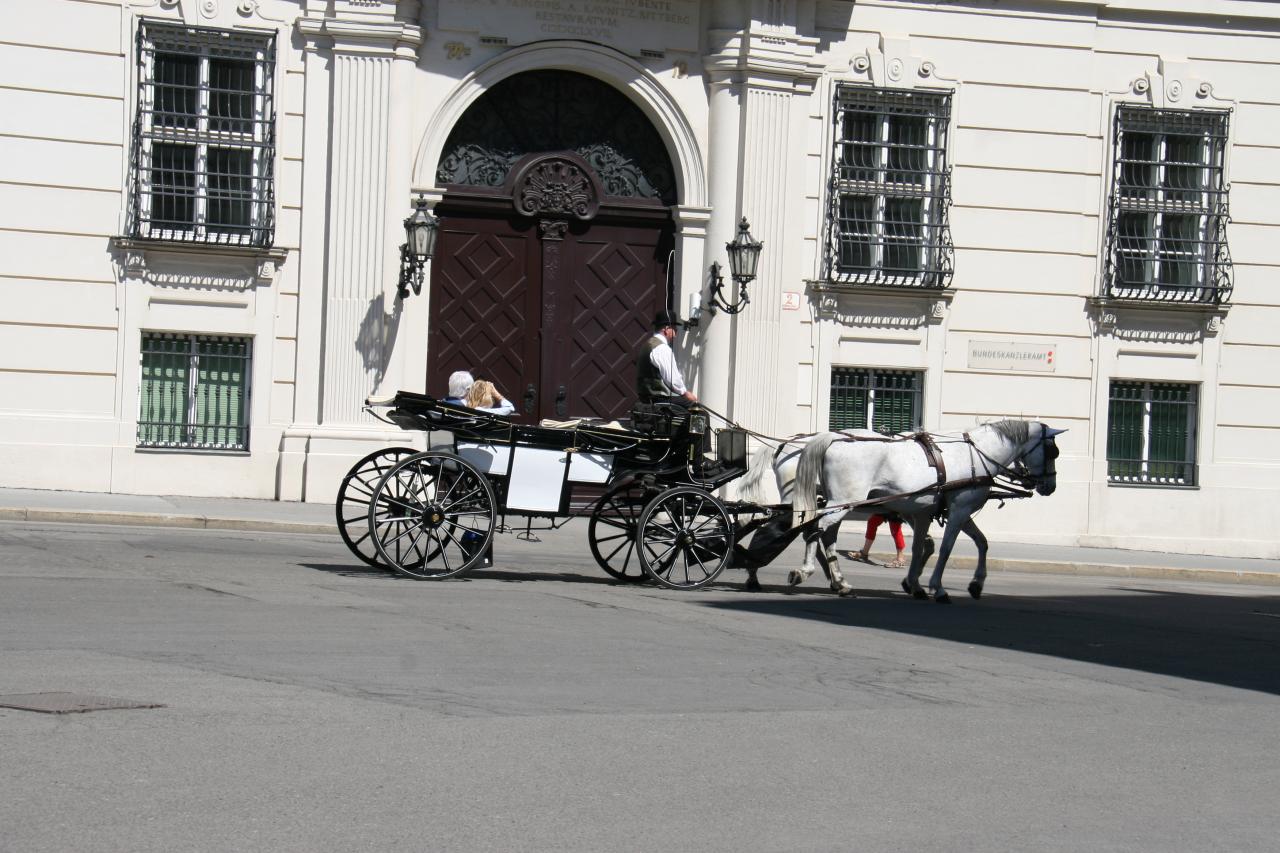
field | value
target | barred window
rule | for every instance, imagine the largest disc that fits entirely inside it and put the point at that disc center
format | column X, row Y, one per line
column 1166, row 236
column 890, row 188
column 203, row 136
column 194, row 392
column 887, row 401
column 1151, row 433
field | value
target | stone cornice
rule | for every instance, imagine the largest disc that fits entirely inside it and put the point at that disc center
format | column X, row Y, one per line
column 783, row 59
column 362, row 36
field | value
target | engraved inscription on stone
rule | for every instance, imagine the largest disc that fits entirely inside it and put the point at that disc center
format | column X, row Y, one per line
column 632, row 25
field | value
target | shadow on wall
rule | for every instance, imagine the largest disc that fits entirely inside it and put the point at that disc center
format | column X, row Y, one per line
column 375, row 337
column 1228, row 640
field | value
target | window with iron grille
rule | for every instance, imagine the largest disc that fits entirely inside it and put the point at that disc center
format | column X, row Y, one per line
column 1151, row 433
column 1167, row 237
column 890, row 189
column 194, row 392
column 203, row 136
column 887, row 401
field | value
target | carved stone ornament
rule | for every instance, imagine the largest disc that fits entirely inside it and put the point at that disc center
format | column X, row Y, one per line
column 209, row 8
column 1213, row 325
column 895, row 69
column 556, row 186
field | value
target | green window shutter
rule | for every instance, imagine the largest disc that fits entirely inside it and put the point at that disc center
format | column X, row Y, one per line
column 1169, row 433
column 220, row 393
column 848, row 399
column 1124, row 431
column 162, row 415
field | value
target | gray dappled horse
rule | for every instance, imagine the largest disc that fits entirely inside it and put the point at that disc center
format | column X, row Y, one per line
column 954, row 478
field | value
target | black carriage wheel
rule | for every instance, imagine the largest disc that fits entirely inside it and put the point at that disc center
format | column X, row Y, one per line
column 611, row 532
column 352, row 506
column 432, row 516
column 685, row 538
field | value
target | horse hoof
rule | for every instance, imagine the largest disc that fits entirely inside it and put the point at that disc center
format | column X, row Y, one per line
column 845, row 592
column 906, row 587
column 919, row 594
column 942, row 598
column 753, row 585
column 975, row 589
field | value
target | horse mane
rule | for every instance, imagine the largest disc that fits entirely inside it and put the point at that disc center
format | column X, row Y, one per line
column 1019, row 432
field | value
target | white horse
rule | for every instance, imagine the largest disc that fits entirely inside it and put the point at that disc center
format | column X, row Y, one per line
column 772, row 538
column 949, row 475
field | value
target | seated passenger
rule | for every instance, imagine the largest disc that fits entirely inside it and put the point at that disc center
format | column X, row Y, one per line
column 460, row 382
column 485, row 397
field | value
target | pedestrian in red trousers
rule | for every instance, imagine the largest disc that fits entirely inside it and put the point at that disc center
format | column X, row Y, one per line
column 895, row 528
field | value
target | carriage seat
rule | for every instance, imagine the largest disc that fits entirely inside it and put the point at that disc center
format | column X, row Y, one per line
column 660, row 419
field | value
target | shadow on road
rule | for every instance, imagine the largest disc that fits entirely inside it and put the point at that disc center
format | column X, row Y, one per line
column 360, row 570
column 1228, row 640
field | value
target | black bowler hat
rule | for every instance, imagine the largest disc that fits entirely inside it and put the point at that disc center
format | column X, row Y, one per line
column 664, row 319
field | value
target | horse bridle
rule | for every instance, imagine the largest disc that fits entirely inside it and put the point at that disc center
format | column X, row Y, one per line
column 1017, row 471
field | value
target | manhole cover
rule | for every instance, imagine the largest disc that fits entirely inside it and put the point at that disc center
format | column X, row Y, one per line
column 68, row 703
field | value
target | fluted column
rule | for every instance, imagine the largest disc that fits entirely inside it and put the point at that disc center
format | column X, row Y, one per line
column 360, row 264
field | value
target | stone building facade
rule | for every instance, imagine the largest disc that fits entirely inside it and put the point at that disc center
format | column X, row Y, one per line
column 1062, row 210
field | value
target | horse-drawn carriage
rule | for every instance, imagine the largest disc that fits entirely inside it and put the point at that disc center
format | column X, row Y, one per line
column 645, row 485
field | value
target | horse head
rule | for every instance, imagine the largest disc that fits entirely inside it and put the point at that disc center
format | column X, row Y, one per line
column 1037, row 459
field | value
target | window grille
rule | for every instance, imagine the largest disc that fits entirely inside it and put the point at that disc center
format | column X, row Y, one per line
column 1167, row 231
column 888, row 401
column 194, row 392
column 1151, row 434
column 204, row 136
column 890, row 189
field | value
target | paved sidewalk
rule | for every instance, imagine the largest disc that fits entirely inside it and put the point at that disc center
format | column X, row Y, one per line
column 36, row 505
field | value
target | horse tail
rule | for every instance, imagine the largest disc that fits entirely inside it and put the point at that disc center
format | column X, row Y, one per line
column 804, row 492
column 751, row 486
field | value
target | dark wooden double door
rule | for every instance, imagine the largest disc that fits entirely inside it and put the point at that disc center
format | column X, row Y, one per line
column 551, row 313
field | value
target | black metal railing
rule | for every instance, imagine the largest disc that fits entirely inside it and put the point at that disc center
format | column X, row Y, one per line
column 890, row 190
column 1151, row 434
column 888, row 401
column 203, row 148
column 1168, row 212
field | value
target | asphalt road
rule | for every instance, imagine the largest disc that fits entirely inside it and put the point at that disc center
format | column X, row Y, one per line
column 312, row 704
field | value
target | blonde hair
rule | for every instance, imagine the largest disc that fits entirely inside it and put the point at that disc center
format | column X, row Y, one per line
column 482, row 395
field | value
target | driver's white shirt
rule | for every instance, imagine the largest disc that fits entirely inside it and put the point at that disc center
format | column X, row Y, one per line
column 664, row 359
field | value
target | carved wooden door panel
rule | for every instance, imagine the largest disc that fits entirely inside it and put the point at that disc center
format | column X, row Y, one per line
column 485, row 297
column 612, row 282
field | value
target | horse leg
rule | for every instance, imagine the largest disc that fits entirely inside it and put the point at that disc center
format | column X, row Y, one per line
column 830, row 563
column 921, row 550
column 980, row 574
column 811, row 543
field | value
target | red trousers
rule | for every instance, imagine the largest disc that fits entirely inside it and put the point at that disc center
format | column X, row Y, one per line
column 895, row 528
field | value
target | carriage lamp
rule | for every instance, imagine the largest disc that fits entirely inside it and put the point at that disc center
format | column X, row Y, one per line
column 744, row 256
column 420, row 230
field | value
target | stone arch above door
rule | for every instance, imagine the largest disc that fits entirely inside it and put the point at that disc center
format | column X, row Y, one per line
column 605, row 64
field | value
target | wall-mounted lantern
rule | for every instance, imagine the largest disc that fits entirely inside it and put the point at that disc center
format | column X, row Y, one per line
column 744, row 256
column 420, row 229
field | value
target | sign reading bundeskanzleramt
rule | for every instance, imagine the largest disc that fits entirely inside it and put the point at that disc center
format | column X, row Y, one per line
column 1009, row 355
column 627, row 24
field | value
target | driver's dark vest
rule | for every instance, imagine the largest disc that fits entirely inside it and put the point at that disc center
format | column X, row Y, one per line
column 649, row 384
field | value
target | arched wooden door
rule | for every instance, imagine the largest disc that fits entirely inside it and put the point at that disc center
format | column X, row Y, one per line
column 546, row 281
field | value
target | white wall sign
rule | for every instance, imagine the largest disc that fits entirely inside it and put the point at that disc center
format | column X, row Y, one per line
column 1008, row 355
column 629, row 24
column 790, row 301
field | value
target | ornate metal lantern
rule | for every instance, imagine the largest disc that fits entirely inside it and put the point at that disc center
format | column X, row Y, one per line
column 744, row 257
column 420, row 229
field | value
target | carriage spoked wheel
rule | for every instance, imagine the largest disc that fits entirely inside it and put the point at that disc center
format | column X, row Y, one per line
column 354, row 496
column 432, row 516
column 611, row 532
column 685, row 538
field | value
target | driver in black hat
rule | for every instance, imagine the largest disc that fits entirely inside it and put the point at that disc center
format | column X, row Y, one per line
column 658, row 377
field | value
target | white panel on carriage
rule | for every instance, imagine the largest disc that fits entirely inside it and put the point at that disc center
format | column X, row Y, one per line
column 489, row 458
column 590, row 467
column 537, row 479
